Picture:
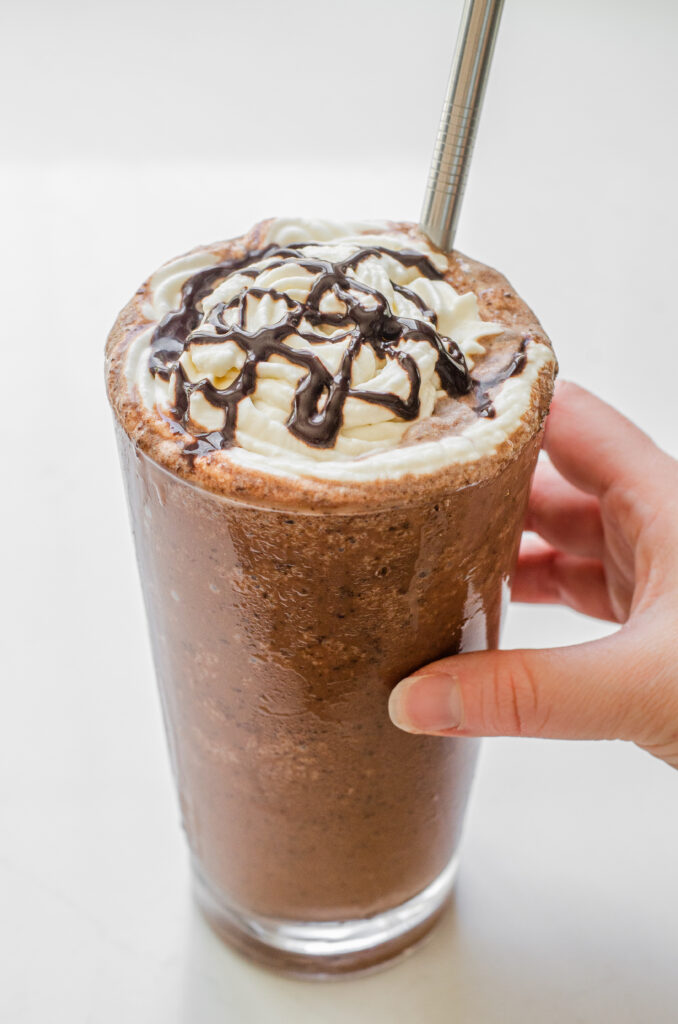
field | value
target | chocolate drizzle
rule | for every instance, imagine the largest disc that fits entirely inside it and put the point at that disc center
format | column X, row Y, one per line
column 484, row 405
column 317, row 412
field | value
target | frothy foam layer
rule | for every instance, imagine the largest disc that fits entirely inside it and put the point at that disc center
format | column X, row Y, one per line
column 289, row 318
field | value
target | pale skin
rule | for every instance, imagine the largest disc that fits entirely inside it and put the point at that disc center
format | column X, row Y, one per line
column 605, row 508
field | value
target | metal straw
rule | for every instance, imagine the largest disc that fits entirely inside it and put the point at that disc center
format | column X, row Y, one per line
column 459, row 120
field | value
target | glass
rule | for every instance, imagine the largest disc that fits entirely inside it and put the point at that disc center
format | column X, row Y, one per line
column 323, row 839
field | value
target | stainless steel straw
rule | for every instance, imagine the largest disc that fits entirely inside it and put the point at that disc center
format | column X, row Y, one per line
column 459, row 120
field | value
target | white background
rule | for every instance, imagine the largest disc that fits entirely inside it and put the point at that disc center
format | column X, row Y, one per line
column 133, row 131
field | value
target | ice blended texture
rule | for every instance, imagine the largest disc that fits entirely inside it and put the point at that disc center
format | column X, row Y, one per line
column 328, row 434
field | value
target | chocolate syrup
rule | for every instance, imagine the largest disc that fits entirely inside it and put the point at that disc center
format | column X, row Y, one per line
column 484, row 405
column 320, row 396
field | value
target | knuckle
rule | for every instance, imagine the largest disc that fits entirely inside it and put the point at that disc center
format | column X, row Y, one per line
column 665, row 751
column 655, row 708
column 514, row 696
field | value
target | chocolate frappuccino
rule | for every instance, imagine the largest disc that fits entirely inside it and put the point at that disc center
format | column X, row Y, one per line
column 328, row 433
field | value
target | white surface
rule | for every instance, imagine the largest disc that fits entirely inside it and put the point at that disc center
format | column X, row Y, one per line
column 567, row 897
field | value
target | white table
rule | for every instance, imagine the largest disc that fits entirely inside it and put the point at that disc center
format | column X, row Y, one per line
column 567, row 905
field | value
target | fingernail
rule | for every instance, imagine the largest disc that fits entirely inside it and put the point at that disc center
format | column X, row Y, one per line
column 426, row 703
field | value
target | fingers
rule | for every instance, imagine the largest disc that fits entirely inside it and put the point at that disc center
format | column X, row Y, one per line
column 591, row 691
column 594, row 446
column 621, row 687
column 547, row 576
column 563, row 515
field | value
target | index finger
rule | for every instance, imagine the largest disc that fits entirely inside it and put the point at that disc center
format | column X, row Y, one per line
column 593, row 445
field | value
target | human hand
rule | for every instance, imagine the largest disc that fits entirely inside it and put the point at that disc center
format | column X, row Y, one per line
column 606, row 511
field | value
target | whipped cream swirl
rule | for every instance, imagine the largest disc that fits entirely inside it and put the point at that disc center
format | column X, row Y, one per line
column 326, row 347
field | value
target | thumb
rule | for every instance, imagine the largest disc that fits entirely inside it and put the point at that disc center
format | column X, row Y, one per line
column 597, row 690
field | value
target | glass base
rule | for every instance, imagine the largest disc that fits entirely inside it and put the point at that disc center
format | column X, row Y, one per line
column 326, row 949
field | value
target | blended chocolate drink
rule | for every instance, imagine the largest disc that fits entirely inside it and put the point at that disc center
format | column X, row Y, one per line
column 328, row 433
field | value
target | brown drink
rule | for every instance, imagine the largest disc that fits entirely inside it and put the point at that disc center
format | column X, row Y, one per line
column 299, row 559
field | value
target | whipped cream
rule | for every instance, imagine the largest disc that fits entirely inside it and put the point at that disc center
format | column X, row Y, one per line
column 260, row 296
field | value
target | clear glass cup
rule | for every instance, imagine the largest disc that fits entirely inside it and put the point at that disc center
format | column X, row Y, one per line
column 323, row 839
